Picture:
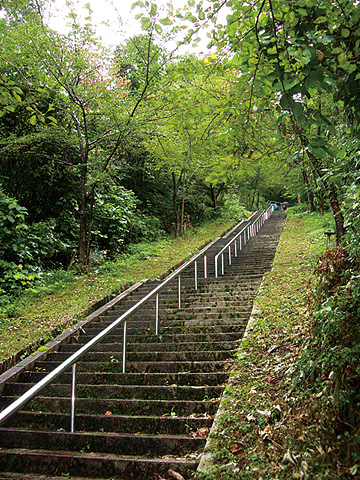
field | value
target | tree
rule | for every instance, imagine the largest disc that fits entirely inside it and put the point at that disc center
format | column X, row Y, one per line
column 306, row 50
column 76, row 66
column 185, row 141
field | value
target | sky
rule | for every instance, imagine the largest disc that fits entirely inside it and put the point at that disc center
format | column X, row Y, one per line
column 114, row 19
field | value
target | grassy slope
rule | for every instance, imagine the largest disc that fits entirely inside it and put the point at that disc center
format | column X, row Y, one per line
column 40, row 313
column 273, row 424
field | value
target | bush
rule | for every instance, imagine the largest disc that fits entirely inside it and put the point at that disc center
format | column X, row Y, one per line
column 334, row 344
column 118, row 222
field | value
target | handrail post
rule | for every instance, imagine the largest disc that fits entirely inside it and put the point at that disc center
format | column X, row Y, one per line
column 235, row 248
column 157, row 315
column 73, row 397
column 196, row 275
column 216, row 266
column 229, row 254
column 205, row 266
column 179, row 288
column 222, row 264
column 124, row 350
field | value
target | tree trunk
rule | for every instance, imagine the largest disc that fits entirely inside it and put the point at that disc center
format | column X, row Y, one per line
column 309, row 192
column 334, row 202
column 213, row 197
column 182, row 229
column 339, row 219
column 177, row 211
column 83, row 220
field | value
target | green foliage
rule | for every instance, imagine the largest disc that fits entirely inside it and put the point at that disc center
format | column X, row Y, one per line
column 13, row 228
column 334, row 346
column 118, row 221
column 25, row 250
column 233, row 208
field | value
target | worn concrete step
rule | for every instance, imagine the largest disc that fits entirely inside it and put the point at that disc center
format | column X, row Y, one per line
column 182, row 378
column 193, row 308
column 162, row 425
column 33, row 476
column 128, row 407
column 141, row 367
column 235, row 324
column 111, row 443
column 97, row 465
column 152, row 347
column 148, row 392
column 143, row 356
column 169, row 338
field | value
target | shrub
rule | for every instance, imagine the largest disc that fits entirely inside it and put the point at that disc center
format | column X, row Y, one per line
column 334, row 345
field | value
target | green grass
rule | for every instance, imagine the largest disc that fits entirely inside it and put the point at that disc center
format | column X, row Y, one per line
column 65, row 297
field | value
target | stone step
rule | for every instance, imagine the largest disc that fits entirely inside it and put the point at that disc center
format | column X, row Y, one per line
column 99, row 465
column 194, row 307
column 148, row 392
column 28, row 476
column 142, row 367
column 169, row 337
column 163, row 425
column 235, row 324
column 182, row 378
column 127, row 407
column 152, row 347
column 143, row 356
column 108, row 443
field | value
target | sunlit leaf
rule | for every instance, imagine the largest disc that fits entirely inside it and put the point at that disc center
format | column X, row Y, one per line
column 139, row 3
column 166, row 21
column 158, row 28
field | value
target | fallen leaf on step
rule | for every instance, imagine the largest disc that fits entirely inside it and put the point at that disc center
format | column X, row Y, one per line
column 201, row 433
column 237, row 447
column 108, row 413
column 176, row 475
column 265, row 433
column 288, row 458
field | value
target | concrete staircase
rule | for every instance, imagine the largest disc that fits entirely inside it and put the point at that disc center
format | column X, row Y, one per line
column 152, row 420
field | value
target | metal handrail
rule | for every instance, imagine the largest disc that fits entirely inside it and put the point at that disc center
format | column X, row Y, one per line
column 251, row 229
column 73, row 359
